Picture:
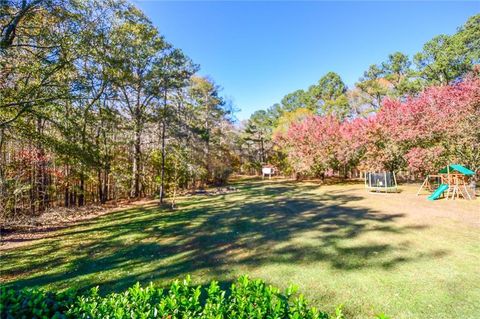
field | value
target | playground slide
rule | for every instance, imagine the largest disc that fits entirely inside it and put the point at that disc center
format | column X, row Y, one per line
column 436, row 194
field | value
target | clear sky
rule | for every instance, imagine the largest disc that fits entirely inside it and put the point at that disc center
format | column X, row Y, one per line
column 260, row 51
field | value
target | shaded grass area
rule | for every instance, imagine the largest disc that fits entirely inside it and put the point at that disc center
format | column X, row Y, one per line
column 337, row 243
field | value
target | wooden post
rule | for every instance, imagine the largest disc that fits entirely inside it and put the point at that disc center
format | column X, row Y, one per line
column 467, row 191
column 395, row 180
column 421, row 187
column 448, row 180
column 385, row 181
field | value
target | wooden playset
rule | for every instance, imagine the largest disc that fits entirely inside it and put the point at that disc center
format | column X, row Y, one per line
column 450, row 182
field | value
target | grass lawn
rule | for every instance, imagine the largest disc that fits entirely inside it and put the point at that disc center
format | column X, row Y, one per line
column 397, row 254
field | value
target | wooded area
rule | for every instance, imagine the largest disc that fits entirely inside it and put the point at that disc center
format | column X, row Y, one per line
column 96, row 105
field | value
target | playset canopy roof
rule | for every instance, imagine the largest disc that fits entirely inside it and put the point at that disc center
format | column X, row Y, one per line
column 456, row 167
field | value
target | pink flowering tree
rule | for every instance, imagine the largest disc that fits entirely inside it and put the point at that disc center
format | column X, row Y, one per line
column 441, row 125
column 423, row 133
column 310, row 144
column 377, row 149
column 425, row 160
column 349, row 145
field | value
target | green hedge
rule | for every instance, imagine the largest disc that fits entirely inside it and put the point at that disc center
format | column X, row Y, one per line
column 245, row 298
column 33, row 303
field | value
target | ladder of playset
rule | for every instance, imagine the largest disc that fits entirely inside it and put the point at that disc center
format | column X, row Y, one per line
column 464, row 192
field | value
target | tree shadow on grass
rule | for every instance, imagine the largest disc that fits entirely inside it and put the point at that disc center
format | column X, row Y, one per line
column 264, row 223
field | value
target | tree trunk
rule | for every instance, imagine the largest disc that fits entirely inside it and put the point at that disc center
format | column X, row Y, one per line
column 100, row 186
column 67, row 197
column 73, row 198
column 42, row 182
column 162, row 172
column 136, row 162
column 262, row 151
column 33, row 189
column 2, row 165
column 81, row 195
column 163, row 130
column 175, row 180
column 104, row 199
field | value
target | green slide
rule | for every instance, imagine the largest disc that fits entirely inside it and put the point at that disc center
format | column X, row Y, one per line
column 436, row 194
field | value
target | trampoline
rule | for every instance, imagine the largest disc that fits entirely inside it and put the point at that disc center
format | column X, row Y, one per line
column 381, row 182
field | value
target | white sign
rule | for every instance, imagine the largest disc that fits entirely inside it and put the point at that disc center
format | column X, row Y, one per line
column 267, row 171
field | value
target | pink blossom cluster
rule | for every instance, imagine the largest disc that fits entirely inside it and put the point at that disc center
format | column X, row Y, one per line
column 421, row 133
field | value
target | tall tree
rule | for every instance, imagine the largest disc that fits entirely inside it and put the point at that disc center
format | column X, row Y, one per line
column 442, row 60
column 208, row 106
column 392, row 78
column 259, row 130
column 296, row 100
column 137, row 46
column 469, row 36
column 329, row 94
column 36, row 56
column 174, row 70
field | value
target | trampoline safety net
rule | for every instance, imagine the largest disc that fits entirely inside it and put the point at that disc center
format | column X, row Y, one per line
column 380, row 180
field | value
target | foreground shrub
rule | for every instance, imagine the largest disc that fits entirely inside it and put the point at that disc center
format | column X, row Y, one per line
column 245, row 298
column 32, row 303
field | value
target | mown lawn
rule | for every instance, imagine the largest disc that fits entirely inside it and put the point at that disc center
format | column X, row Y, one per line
column 396, row 254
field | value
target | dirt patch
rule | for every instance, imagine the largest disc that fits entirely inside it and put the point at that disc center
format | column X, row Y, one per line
column 214, row 191
column 18, row 233
column 418, row 208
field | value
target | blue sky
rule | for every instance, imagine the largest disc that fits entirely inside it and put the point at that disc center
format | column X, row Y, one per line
column 260, row 51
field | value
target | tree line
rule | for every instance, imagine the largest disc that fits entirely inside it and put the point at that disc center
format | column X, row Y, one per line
column 279, row 135
column 96, row 105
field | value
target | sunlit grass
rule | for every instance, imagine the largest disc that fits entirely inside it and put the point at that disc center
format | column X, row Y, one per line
column 397, row 254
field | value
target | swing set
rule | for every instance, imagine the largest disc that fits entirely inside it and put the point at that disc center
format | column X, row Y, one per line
column 452, row 179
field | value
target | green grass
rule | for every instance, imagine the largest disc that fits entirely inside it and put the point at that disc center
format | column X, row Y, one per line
column 396, row 254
